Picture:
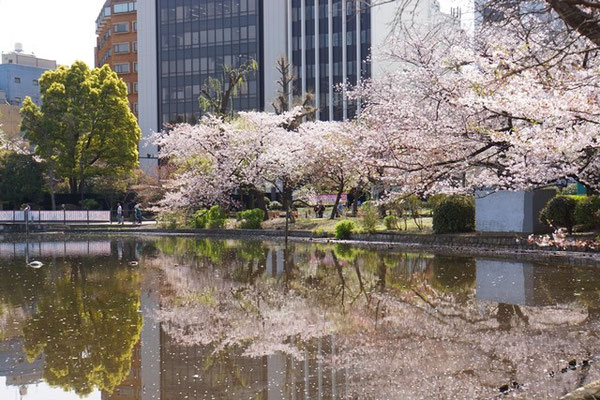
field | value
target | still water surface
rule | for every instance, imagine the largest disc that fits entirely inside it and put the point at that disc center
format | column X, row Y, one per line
column 179, row 318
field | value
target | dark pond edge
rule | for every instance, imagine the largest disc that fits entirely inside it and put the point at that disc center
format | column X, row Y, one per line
column 510, row 246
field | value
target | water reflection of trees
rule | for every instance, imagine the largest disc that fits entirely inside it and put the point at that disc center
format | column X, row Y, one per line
column 86, row 323
column 404, row 325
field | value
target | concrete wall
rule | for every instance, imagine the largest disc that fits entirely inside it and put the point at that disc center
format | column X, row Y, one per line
column 147, row 84
column 510, row 211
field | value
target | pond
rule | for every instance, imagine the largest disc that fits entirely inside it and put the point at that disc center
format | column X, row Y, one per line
column 169, row 318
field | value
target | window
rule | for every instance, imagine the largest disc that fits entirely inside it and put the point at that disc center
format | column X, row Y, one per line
column 124, row 7
column 134, row 24
column 122, row 68
column 17, row 79
column 121, row 28
column 121, row 48
column 135, row 87
column 135, row 67
column 35, row 82
column 135, row 108
column 135, row 47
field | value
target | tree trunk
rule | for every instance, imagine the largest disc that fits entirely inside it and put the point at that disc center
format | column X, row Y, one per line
column 578, row 19
column 337, row 200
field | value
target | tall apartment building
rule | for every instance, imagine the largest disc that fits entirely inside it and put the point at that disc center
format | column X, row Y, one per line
column 19, row 75
column 116, row 31
column 328, row 42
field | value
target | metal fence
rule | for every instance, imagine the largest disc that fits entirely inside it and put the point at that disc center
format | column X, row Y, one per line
column 63, row 216
column 58, row 249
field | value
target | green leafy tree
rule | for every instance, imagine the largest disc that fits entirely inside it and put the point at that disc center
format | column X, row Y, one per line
column 21, row 179
column 84, row 127
column 87, row 327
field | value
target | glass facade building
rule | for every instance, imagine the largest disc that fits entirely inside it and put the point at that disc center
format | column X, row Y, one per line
column 195, row 40
column 331, row 41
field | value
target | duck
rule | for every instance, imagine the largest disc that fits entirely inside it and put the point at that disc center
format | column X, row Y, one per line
column 133, row 263
column 35, row 264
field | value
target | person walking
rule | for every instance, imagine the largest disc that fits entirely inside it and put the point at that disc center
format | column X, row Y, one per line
column 119, row 214
column 138, row 213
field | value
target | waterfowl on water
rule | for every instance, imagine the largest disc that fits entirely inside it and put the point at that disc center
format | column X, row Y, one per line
column 35, row 264
column 133, row 263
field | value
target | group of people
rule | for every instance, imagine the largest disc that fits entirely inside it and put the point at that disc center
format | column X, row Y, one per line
column 137, row 213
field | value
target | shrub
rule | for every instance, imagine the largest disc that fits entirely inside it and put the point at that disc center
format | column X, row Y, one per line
column 586, row 212
column 267, row 201
column 275, row 206
column 344, row 229
column 454, row 214
column 434, row 200
column 560, row 212
column 214, row 218
column 369, row 216
column 200, row 219
column 251, row 219
column 391, row 222
column 172, row 220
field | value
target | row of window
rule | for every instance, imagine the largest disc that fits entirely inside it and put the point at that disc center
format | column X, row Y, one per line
column 124, row 68
column 125, row 7
column 208, row 37
column 125, row 47
column 185, row 93
column 351, row 67
column 309, row 10
column 135, row 87
column 336, row 39
column 204, row 64
column 123, row 27
column 18, row 80
column 219, row 8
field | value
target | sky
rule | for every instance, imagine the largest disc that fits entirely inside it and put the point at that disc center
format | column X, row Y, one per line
column 63, row 30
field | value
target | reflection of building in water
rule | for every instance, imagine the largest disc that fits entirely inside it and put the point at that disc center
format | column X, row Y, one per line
column 14, row 365
column 521, row 283
column 195, row 372
column 131, row 387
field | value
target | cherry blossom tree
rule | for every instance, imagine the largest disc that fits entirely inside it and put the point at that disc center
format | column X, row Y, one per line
column 496, row 112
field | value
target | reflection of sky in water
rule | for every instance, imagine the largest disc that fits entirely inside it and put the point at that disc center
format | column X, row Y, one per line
column 331, row 321
column 39, row 391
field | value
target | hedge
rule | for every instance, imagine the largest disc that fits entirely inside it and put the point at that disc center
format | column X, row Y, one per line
column 454, row 214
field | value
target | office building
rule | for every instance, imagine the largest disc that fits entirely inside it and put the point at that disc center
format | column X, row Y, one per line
column 20, row 74
column 328, row 43
column 116, row 44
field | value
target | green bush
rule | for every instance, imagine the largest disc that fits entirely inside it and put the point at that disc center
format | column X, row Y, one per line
column 214, row 218
column 391, row 222
column 586, row 212
column 369, row 216
column 454, row 214
column 267, row 201
column 251, row 219
column 275, row 206
column 434, row 200
column 344, row 229
column 200, row 219
column 559, row 212
column 172, row 220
